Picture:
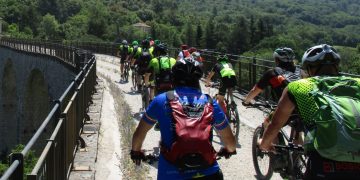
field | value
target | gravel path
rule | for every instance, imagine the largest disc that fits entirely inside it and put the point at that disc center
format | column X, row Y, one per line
column 239, row 166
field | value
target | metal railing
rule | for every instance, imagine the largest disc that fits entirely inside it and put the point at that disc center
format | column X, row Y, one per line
column 68, row 113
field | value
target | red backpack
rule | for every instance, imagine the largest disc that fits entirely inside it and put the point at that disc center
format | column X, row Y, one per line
column 192, row 148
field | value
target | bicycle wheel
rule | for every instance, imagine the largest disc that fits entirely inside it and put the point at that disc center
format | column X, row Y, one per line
column 133, row 79
column 261, row 160
column 145, row 97
column 126, row 73
column 300, row 163
column 234, row 119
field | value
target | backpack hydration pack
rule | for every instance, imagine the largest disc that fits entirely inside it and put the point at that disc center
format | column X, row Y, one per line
column 164, row 78
column 192, row 148
column 335, row 129
column 144, row 58
column 288, row 75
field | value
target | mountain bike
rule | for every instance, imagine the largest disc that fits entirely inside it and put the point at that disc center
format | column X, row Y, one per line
column 231, row 110
column 289, row 159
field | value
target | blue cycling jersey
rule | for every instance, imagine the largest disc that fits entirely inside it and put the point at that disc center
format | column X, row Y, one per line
column 160, row 111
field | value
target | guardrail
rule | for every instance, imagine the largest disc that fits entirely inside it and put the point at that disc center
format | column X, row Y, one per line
column 68, row 113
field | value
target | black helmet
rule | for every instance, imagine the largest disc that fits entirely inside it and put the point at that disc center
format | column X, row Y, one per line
column 145, row 43
column 284, row 54
column 186, row 72
column 320, row 55
column 161, row 48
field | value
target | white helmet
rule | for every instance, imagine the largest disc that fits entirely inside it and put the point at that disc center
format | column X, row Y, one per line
column 320, row 54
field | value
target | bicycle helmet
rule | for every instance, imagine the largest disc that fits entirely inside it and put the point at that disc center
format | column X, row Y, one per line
column 184, row 47
column 157, row 42
column 187, row 72
column 222, row 58
column 320, row 55
column 284, row 54
column 124, row 42
column 161, row 48
column 135, row 43
column 145, row 43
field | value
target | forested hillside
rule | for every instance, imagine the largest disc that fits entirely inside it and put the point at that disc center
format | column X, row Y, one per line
column 234, row 26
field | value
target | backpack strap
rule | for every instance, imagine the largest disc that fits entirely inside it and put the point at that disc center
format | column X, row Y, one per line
column 279, row 71
column 170, row 95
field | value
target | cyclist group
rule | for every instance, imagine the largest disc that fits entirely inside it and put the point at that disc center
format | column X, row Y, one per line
column 186, row 116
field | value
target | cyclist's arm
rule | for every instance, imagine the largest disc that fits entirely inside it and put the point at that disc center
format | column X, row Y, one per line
column 252, row 94
column 221, row 124
column 140, row 134
column 228, row 139
column 210, row 75
column 280, row 117
column 303, row 74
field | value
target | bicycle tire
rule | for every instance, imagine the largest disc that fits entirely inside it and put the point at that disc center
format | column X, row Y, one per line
column 126, row 73
column 145, row 97
column 234, row 120
column 256, row 153
column 133, row 79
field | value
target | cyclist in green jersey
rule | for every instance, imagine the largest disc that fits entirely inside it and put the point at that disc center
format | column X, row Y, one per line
column 227, row 76
column 123, row 52
column 160, row 69
column 321, row 63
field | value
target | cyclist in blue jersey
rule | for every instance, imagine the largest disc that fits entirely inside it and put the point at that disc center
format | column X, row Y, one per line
column 187, row 93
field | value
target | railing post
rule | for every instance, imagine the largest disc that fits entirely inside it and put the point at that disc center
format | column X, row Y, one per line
column 19, row 172
column 240, row 74
column 253, row 71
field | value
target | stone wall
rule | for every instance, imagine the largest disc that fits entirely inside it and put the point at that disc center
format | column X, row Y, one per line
column 29, row 85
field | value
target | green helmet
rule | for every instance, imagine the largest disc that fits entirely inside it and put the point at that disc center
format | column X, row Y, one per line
column 157, row 42
column 135, row 43
column 222, row 58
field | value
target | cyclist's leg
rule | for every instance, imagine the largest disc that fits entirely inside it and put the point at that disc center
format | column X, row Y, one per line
column 220, row 97
column 122, row 62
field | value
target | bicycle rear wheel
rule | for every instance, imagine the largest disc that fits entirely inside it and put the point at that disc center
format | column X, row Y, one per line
column 145, row 97
column 126, row 73
column 234, row 119
column 261, row 160
column 133, row 79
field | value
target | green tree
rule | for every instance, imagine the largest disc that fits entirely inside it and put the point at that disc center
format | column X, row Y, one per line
column 49, row 27
column 190, row 35
column 210, row 41
column 240, row 39
column 199, row 35
column 76, row 27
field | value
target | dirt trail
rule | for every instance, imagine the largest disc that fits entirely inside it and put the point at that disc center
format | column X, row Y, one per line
column 239, row 166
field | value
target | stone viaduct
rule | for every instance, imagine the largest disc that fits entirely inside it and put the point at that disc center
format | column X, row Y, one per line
column 29, row 84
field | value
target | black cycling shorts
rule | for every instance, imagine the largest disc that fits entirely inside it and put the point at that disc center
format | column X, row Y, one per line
column 322, row 168
column 122, row 59
column 217, row 176
column 226, row 83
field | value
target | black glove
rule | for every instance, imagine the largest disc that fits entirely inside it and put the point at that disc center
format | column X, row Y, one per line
column 225, row 153
column 137, row 156
column 246, row 104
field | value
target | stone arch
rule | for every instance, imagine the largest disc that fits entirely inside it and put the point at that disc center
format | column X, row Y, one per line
column 8, row 118
column 36, row 104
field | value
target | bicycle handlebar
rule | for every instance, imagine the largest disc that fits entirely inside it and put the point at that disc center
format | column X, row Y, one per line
column 213, row 85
